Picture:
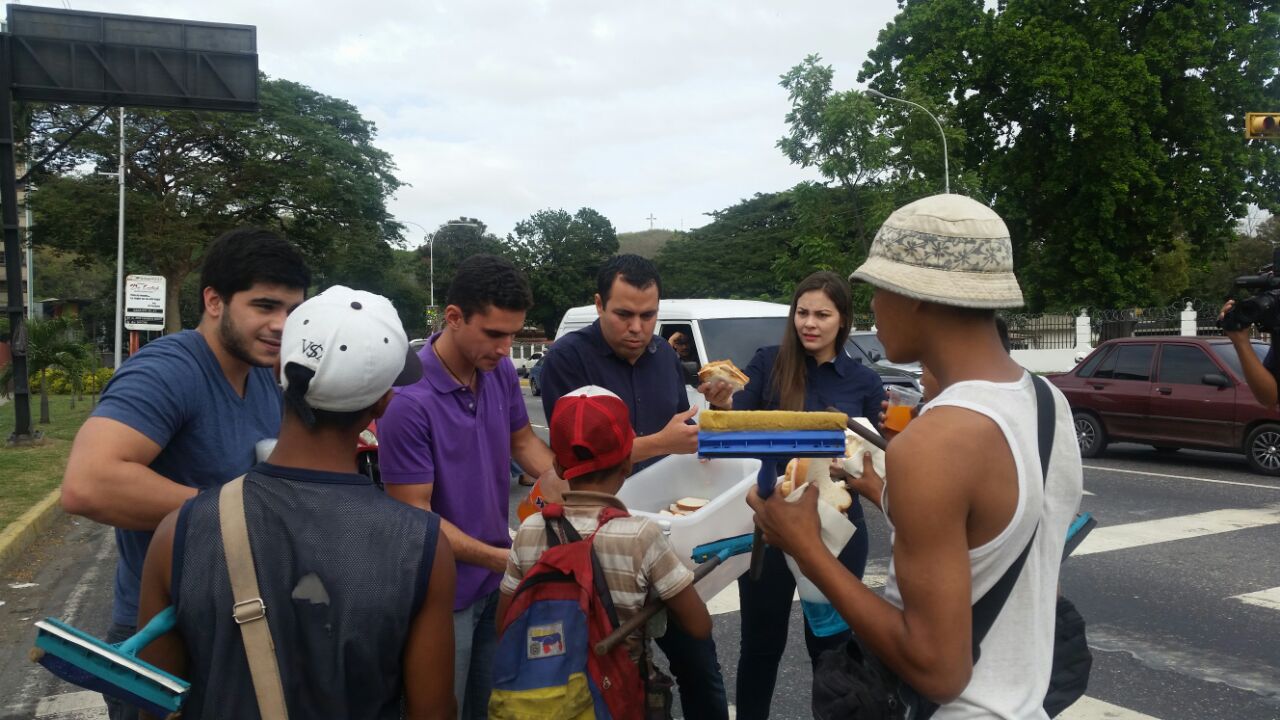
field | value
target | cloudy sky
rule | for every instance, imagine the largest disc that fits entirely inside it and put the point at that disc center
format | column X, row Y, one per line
column 498, row 109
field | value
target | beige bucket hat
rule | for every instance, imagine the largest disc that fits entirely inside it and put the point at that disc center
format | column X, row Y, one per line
column 946, row 249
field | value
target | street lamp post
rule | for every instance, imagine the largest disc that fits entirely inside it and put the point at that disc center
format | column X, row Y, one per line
column 119, row 175
column 431, row 257
column 946, row 171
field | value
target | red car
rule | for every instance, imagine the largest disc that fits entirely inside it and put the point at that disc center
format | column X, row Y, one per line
column 1171, row 392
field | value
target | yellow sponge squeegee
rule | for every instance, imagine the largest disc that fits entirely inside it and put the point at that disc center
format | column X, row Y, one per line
column 769, row 420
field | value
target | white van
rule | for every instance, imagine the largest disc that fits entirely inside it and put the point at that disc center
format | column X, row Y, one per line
column 728, row 329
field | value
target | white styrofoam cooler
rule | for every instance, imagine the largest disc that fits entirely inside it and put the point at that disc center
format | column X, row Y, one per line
column 724, row 482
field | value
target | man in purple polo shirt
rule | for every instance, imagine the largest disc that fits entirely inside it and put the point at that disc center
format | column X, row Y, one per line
column 446, row 444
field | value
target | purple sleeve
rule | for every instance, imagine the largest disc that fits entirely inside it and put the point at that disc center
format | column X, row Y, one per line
column 515, row 398
column 404, row 443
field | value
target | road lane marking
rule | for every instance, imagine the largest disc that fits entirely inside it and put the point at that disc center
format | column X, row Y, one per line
column 1180, row 527
column 1182, row 477
column 1087, row 708
column 71, row 609
column 1269, row 598
column 83, row 703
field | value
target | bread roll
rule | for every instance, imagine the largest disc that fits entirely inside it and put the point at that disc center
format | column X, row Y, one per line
column 801, row 471
column 723, row 370
column 691, row 504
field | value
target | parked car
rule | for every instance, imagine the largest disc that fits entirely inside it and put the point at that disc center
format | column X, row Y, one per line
column 535, row 377
column 725, row 329
column 524, row 364
column 1171, row 392
column 864, row 345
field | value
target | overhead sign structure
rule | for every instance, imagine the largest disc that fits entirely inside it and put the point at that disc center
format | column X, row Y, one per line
column 105, row 59
column 70, row 56
column 144, row 302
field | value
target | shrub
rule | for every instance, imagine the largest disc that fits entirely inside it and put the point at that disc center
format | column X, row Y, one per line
column 60, row 384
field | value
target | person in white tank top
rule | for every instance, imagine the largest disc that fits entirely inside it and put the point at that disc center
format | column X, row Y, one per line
column 963, row 491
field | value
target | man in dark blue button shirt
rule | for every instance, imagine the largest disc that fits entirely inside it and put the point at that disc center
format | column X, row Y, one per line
column 619, row 352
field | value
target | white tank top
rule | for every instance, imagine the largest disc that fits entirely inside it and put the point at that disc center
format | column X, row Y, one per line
column 1012, row 675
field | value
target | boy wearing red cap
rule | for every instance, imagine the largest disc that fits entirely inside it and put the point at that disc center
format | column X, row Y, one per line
column 591, row 437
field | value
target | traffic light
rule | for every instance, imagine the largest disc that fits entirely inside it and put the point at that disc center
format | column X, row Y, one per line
column 1262, row 126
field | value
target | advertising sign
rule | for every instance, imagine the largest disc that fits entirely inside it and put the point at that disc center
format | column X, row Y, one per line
column 144, row 302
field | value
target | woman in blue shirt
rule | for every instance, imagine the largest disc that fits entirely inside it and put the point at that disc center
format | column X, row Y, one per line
column 810, row 370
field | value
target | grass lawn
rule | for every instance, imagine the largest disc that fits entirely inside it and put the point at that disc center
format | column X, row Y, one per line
column 28, row 473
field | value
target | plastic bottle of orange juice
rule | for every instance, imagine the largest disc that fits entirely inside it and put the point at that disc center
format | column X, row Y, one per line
column 532, row 503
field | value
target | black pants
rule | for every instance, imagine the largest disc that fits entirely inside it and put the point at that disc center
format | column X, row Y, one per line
column 697, row 674
column 766, row 608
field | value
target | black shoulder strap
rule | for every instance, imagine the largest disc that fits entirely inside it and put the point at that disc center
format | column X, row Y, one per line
column 567, row 533
column 990, row 604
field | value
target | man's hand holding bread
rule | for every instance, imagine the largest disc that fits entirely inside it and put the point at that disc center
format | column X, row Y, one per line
column 720, row 379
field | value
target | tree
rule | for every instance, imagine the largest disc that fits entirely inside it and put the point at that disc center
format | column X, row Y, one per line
column 305, row 165
column 454, row 242
column 82, row 277
column 732, row 256
column 1244, row 255
column 1100, row 131
column 52, row 344
column 839, row 133
column 561, row 253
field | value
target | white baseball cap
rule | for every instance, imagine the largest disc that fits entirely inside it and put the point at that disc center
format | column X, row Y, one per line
column 354, row 343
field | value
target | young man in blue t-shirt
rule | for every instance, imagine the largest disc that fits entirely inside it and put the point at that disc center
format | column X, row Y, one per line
column 185, row 412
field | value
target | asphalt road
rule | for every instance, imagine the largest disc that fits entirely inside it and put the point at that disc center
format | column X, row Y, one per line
column 1179, row 584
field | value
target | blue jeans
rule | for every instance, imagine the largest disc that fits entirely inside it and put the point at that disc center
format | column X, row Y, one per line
column 766, row 605
column 475, row 639
column 116, row 709
column 696, row 672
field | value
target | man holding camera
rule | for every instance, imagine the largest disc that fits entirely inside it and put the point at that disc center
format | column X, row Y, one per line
column 1259, row 374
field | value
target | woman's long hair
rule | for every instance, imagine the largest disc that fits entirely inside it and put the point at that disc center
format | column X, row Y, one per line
column 788, row 381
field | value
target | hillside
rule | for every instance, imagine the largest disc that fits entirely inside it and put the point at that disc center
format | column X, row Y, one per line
column 645, row 243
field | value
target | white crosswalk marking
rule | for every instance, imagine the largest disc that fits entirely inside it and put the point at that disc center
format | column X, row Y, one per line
column 1087, row 708
column 1269, row 598
column 1181, row 527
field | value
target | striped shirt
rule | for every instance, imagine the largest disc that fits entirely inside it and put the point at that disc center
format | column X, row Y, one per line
column 634, row 553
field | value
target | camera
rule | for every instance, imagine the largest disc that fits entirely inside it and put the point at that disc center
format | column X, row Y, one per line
column 1263, row 309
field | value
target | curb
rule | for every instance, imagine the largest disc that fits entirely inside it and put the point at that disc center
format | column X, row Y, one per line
column 22, row 533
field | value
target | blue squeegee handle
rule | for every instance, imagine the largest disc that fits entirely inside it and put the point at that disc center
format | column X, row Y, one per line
column 159, row 625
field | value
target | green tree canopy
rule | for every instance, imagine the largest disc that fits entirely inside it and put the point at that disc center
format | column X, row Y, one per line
column 305, row 165
column 561, row 253
column 732, row 256
column 1105, row 133
column 454, row 242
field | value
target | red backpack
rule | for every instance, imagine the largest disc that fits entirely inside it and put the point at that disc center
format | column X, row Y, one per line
column 545, row 664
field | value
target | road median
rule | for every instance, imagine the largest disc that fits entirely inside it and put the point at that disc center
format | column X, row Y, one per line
column 20, row 534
